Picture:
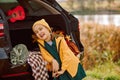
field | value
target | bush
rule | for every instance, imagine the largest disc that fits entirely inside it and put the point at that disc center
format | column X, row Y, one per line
column 101, row 44
column 112, row 77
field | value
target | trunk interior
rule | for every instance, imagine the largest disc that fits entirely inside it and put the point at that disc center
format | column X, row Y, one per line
column 21, row 32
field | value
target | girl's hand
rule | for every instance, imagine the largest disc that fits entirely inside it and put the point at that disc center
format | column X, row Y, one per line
column 55, row 66
column 56, row 74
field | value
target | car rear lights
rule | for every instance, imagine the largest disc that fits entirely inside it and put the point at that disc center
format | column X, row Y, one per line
column 1, row 30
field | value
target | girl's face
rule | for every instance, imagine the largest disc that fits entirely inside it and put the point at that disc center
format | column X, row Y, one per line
column 42, row 32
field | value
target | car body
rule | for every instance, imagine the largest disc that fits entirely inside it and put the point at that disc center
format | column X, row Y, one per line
column 13, row 33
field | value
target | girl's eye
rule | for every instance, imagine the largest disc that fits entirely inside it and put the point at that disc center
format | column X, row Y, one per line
column 36, row 32
column 40, row 29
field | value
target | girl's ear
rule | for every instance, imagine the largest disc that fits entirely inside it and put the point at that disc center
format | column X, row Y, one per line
column 34, row 38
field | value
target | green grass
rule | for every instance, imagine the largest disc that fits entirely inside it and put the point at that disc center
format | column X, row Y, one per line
column 107, row 71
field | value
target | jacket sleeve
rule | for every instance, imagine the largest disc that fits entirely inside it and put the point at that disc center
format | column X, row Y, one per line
column 66, row 55
column 46, row 55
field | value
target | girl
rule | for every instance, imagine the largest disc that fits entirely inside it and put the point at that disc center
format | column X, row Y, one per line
column 61, row 61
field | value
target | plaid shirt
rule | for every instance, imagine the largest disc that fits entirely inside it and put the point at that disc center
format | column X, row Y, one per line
column 37, row 64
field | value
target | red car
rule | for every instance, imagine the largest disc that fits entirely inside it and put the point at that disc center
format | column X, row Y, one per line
column 18, row 30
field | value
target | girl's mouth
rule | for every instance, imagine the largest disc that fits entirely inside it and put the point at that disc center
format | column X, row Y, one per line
column 42, row 34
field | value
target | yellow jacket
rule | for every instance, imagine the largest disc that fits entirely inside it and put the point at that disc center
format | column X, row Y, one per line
column 69, row 60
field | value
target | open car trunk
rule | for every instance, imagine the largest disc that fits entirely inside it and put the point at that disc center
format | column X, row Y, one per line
column 20, row 32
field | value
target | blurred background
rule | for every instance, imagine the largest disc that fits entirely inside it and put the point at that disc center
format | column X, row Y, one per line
column 100, row 34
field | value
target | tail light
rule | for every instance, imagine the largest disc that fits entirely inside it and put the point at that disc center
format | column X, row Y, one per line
column 1, row 30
